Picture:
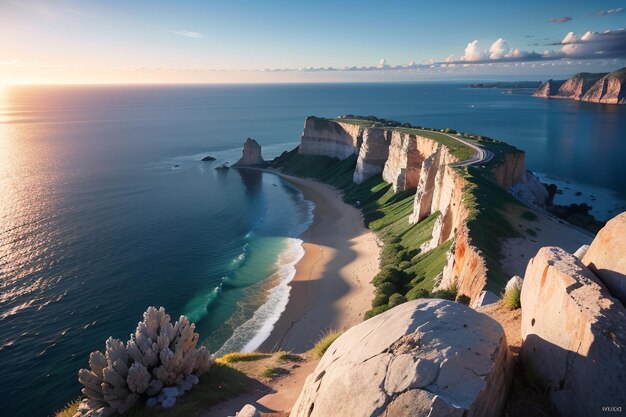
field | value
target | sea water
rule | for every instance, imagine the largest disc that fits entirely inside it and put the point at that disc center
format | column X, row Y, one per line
column 106, row 207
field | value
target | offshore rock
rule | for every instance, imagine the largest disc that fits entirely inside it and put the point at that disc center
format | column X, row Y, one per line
column 574, row 334
column 251, row 154
column 425, row 357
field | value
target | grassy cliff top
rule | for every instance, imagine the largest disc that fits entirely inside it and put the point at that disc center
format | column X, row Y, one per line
column 441, row 136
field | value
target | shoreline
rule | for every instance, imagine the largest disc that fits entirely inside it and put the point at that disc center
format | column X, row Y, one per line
column 331, row 289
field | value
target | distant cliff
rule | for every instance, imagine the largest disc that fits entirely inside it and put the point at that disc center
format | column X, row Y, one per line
column 416, row 185
column 593, row 87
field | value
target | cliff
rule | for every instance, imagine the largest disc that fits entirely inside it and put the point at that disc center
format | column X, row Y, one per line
column 592, row 87
column 419, row 175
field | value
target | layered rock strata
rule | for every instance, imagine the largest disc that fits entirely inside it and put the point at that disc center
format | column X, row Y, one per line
column 422, row 358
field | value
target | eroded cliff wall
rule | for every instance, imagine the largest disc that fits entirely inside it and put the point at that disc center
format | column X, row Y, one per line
column 593, row 87
column 409, row 160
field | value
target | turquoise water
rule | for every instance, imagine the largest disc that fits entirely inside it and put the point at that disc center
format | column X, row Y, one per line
column 106, row 208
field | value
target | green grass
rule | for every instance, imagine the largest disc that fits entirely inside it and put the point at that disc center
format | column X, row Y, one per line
column 220, row 383
column 274, row 372
column 243, row 357
column 511, row 299
column 289, row 357
column 324, row 343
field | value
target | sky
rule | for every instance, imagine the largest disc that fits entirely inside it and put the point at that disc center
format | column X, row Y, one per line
column 246, row 41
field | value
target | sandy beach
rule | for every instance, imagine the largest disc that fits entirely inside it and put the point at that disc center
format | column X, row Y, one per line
column 331, row 289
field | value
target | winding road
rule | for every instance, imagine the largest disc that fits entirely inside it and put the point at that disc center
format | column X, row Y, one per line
column 481, row 155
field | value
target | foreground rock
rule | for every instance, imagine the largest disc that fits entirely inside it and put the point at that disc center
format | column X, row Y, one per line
column 606, row 256
column 251, row 154
column 574, row 335
column 426, row 357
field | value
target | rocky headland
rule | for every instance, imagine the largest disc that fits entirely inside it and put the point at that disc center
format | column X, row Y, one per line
column 609, row 88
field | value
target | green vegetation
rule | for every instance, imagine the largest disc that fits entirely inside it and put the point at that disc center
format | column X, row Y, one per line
column 289, row 357
column 274, row 372
column 243, row 357
column 220, row 383
column 511, row 299
column 324, row 343
column 529, row 215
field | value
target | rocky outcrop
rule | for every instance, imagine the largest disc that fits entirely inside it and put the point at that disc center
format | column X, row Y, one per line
column 422, row 358
column 548, row 89
column 610, row 89
column 531, row 191
column 593, row 87
column 330, row 138
column 373, row 154
column 574, row 334
column 606, row 256
column 251, row 154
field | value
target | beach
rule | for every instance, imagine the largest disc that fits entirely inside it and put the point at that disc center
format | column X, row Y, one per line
column 331, row 289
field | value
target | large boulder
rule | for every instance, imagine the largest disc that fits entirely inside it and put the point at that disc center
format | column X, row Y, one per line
column 426, row 357
column 574, row 334
column 251, row 154
column 606, row 256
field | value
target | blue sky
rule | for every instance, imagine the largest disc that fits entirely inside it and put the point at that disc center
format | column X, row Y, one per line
column 232, row 41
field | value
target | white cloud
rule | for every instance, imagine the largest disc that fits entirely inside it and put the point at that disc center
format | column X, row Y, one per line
column 449, row 58
column 609, row 11
column 187, row 33
column 382, row 63
column 498, row 49
column 473, row 52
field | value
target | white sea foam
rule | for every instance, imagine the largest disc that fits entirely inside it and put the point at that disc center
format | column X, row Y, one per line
column 251, row 334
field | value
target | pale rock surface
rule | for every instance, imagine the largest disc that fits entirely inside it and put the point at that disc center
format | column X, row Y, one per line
column 330, row 138
column 251, row 154
column 249, row 411
column 485, row 298
column 425, row 357
column 515, row 282
column 581, row 252
column 606, row 256
column 373, row 154
column 574, row 334
column 530, row 190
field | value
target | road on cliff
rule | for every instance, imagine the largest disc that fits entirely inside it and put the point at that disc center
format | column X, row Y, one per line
column 481, row 155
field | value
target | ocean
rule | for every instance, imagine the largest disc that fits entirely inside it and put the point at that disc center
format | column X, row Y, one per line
column 106, row 207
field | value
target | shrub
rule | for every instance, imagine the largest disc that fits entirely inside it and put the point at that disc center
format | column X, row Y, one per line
column 324, row 343
column 529, row 215
column 380, row 299
column 396, row 299
column 511, row 299
column 274, row 372
column 416, row 293
column 391, row 275
column 375, row 311
column 386, row 288
column 158, row 355
column 449, row 294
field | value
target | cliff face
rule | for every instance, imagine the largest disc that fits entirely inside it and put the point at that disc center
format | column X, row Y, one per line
column 610, row 89
column 548, row 89
column 324, row 137
column 411, row 160
column 593, row 87
column 373, row 153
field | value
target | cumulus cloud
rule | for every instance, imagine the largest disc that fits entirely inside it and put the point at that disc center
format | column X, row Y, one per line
column 382, row 63
column 608, row 44
column 473, row 52
column 187, row 33
column 609, row 11
column 498, row 49
column 449, row 58
column 561, row 19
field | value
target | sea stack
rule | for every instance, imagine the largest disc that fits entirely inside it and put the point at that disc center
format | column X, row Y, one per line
column 251, row 154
